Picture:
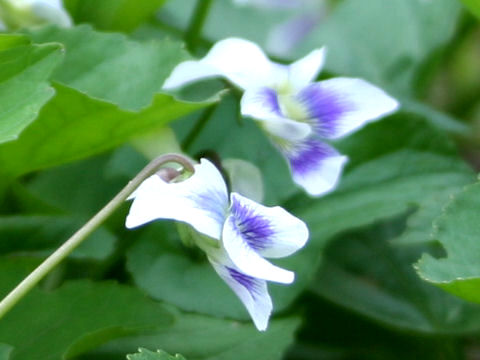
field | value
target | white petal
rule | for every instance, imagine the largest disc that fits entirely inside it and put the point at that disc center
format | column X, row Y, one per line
column 315, row 166
column 302, row 72
column 263, row 105
column 190, row 71
column 251, row 291
column 200, row 201
column 240, row 61
column 340, row 106
column 270, row 231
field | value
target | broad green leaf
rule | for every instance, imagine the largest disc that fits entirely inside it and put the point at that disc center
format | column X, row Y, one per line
column 123, row 15
column 205, row 338
column 75, row 318
column 110, row 66
column 74, row 126
column 43, row 234
column 473, row 6
column 25, row 70
column 82, row 188
column 168, row 272
column 366, row 274
column 383, row 42
column 457, row 231
column 144, row 354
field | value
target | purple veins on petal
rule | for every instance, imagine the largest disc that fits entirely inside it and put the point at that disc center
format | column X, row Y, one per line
column 212, row 201
column 248, row 282
column 269, row 99
column 255, row 229
column 308, row 155
column 324, row 108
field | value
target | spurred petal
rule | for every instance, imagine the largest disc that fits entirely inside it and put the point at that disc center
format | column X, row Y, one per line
column 305, row 70
column 200, row 201
column 340, row 106
column 240, row 61
column 315, row 166
column 263, row 105
column 252, row 292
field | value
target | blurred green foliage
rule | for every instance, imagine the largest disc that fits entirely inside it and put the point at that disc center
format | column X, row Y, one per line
column 80, row 109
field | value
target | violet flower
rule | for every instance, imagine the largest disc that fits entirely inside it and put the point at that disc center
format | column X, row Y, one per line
column 240, row 233
column 297, row 113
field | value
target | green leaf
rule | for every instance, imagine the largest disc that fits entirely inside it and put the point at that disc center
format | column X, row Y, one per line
column 390, row 57
column 75, row 318
column 74, row 126
column 43, row 234
column 212, row 339
column 144, row 354
column 110, row 66
column 457, row 230
column 473, row 6
column 362, row 272
column 82, row 188
column 25, row 69
column 123, row 15
column 162, row 268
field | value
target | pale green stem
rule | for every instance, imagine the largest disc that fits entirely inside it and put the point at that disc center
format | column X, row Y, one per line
column 76, row 239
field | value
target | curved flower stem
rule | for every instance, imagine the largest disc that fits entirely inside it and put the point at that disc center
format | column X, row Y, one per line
column 76, row 239
column 196, row 24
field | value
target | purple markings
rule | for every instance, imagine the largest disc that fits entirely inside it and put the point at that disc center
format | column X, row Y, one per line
column 254, row 228
column 248, row 282
column 308, row 156
column 215, row 202
column 269, row 99
column 325, row 107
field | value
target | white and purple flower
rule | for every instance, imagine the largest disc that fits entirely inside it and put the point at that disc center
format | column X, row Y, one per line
column 295, row 111
column 240, row 232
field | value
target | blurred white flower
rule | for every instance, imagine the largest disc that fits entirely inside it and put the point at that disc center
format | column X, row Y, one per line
column 305, row 16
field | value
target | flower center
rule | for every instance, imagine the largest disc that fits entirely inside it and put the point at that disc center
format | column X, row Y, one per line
column 292, row 108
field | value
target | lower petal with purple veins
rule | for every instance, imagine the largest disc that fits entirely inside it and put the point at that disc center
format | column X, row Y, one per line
column 315, row 166
column 251, row 291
